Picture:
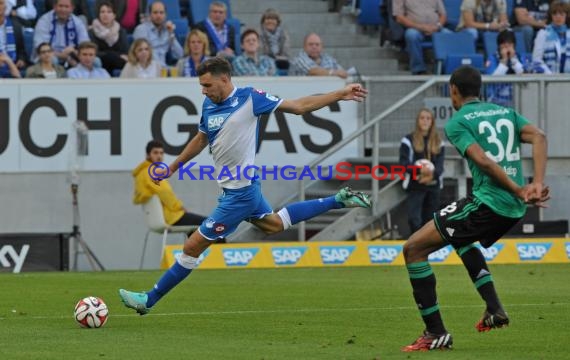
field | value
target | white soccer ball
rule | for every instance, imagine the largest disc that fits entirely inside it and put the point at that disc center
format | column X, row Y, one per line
column 91, row 312
column 425, row 163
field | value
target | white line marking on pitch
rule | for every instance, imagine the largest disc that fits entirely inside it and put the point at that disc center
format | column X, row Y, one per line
column 278, row 311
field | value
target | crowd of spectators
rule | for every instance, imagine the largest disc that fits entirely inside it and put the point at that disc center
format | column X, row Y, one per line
column 136, row 39
column 543, row 25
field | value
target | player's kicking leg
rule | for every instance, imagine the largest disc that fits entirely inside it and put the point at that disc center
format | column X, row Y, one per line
column 416, row 251
column 141, row 302
column 300, row 211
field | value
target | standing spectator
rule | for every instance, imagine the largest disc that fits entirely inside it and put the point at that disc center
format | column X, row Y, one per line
column 421, row 18
column 12, row 51
column 196, row 49
column 504, row 62
column 424, row 190
column 45, row 68
column 62, row 30
column 274, row 39
column 141, row 64
column 160, row 33
column 551, row 53
column 110, row 38
column 313, row 61
column 221, row 35
column 130, row 13
column 530, row 16
column 22, row 11
column 483, row 15
column 86, row 68
column 250, row 63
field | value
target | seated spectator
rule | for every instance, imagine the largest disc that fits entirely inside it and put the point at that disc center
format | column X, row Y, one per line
column 87, row 52
column 62, row 30
column 160, row 34
column 22, row 11
column 421, row 19
column 220, row 34
column 45, row 68
column 141, row 64
column 530, row 16
column 80, row 9
column 196, row 49
column 423, row 190
column 504, row 62
column 274, row 39
column 145, row 188
column 11, row 45
column 250, row 63
column 483, row 15
column 551, row 53
column 110, row 38
column 313, row 61
column 130, row 13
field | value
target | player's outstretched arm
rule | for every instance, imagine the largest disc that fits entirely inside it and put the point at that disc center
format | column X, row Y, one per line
column 491, row 168
column 306, row 104
column 535, row 192
column 193, row 148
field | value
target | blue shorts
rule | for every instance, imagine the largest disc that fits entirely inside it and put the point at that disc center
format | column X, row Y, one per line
column 235, row 206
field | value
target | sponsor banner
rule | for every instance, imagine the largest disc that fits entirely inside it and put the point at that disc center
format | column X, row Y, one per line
column 34, row 252
column 123, row 115
column 361, row 253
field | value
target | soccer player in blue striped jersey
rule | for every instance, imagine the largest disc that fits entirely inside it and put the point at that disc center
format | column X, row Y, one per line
column 229, row 126
column 489, row 136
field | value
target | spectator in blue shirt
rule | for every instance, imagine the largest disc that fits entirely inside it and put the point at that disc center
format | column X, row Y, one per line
column 87, row 52
column 62, row 30
column 160, row 33
column 251, row 63
column 313, row 61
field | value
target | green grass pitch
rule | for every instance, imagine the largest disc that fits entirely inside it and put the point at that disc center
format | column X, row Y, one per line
column 320, row 313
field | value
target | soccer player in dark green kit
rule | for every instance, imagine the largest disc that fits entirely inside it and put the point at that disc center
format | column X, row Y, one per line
column 489, row 136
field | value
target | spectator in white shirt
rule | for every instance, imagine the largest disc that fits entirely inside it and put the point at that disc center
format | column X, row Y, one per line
column 24, row 11
column 141, row 63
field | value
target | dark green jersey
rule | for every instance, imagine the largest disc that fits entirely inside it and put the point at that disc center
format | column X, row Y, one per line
column 497, row 130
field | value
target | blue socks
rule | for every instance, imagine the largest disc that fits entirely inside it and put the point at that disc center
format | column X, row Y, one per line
column 169, row 280
column 305, row 210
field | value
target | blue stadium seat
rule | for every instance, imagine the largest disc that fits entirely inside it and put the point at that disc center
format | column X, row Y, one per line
column 453, row 10
column 454, row 49
column 490, row 43
column 40, row 7
column 370, row 13
column 200, row 8
column 28, row 34
column 181, row 30
column 237, row 26
column 91, row 8
column 511, row 11
column 172, row 8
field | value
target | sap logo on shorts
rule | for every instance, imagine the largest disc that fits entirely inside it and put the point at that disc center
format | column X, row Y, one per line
column 216, row 121
column 201, row 258
column 239, row 257
column 288, row 255
column 533, row 251
column 491, row 253
column 383, row 254
column 440, row 255
column 335, row 255
column 568, row 250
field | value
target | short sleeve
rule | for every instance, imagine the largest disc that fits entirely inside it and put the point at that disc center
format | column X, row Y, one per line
column 441, row 8
column 520, row 121
column 459, row 135
column 468, row 5
column 202, row 126
column 398, row 8
column 264, row 103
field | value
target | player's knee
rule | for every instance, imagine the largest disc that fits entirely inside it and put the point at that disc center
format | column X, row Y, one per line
column 273, row 229
column 410, row 248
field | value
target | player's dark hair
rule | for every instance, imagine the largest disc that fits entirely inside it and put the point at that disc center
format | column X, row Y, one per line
column 152, row 145
column 216, row 66
column 467, row 79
